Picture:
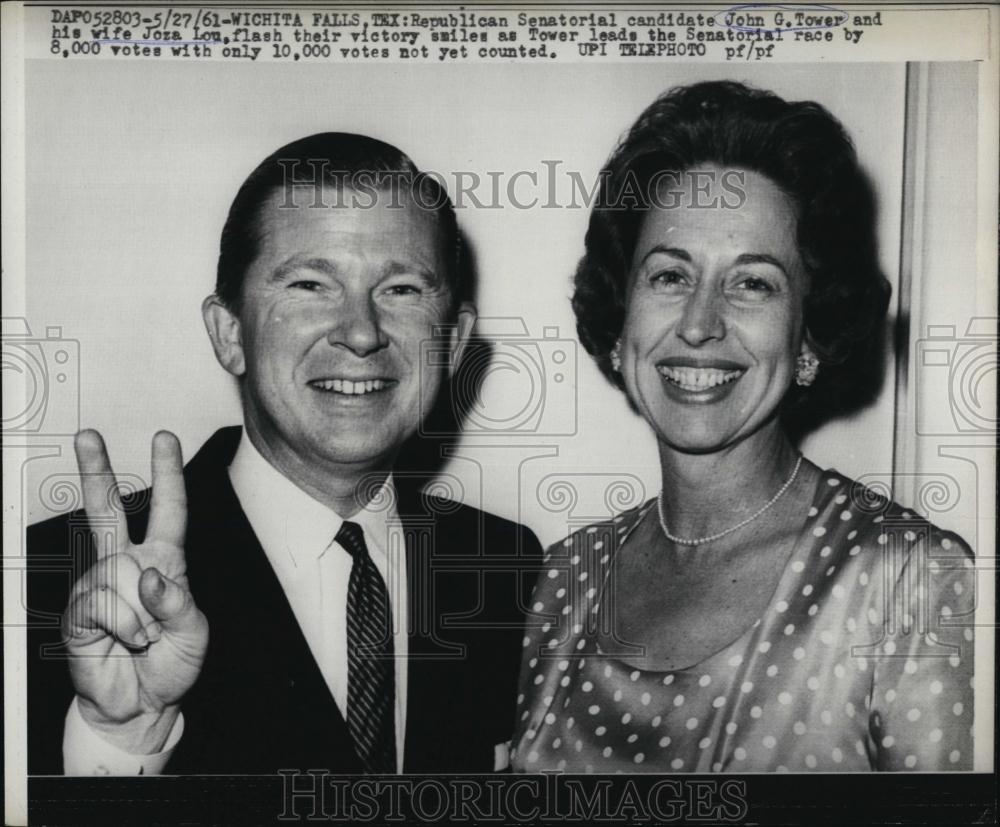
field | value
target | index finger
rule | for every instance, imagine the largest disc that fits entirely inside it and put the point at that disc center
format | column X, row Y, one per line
column 168, row 510
column 101, row 499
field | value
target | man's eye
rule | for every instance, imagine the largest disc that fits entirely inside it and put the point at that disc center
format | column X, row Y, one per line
column 403, row 290
column 305, row 284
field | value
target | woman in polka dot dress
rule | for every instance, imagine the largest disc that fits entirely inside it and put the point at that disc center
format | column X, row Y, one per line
column 761, row 614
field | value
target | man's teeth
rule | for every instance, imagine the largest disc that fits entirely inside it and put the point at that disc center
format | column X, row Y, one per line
column 349, row 387
column 697, row 379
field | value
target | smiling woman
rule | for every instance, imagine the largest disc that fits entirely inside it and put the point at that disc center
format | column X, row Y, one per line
column 760, row 614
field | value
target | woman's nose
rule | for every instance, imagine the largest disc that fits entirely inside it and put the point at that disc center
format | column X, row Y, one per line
column 703, row 318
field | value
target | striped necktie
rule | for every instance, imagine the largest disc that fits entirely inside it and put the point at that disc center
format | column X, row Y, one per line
column 371, row 683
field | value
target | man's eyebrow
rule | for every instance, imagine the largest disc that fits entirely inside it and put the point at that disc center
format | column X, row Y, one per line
column 398, row 268
column 295, row 263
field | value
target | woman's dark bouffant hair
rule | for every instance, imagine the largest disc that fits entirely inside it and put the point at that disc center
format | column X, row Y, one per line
column 803, row 149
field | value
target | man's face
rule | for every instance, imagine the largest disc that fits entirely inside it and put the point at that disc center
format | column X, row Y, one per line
column 333, row 313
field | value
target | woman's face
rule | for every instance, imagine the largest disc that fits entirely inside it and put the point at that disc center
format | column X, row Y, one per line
column 713, row 320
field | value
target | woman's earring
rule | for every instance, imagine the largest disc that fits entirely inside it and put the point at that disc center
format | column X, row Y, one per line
column 806, row 367
column 616, row 357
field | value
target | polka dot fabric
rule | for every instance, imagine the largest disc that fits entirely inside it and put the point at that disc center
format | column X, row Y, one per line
column 861, row 661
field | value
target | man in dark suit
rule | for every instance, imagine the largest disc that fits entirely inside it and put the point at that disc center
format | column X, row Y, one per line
column 297, row 602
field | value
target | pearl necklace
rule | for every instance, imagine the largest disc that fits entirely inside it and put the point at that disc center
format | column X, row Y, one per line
column 684, row 541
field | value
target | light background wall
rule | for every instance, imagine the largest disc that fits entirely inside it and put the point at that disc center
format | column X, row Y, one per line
column 129, row 177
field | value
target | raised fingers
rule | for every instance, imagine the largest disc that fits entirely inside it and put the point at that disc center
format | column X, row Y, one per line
column 168, row 511
column 101, row 499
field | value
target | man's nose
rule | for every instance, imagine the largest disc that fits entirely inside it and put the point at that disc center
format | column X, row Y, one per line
column 703, row 318
column 358, row 327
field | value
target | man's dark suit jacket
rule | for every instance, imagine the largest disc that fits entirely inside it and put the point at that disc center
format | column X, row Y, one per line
column 261, row 703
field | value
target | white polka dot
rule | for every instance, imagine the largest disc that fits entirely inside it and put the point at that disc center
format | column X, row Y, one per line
column 859, row 748
column 665, row 741
column 790, row 628
column 799, row 728
column 606, row 752
column 583, row 576
column 910, row 667
column 667, row 680
column 833, row 482
column 882, row 539
column 967, row 634
column 819, row 531
column 812, row 610
column 593, row 709
column 772, row 670
column 550, row 719
column 553, row 573
column 570, row 721
column 657, row 719
column 598, row 545
column 811, row 761
column 849, row 709
column 888, row 741
column 677, row 763
column 863, row 578
column 954, row 756
column 945, row 543
column 934, row 736
column 546, row 627
column 756, row 712
column 890, row 647
column 837, row 755
column 639, row 758
column 747, row 687
column 838, row 670
column 591, row 593
column 691, row 723
column 600, row 731
column 580, row 644
column 556, row 743
column 807, row 589
column 936, row 687
column 704, row 680
column 564, row 681
column 626, row 717
column 958, row 708
column 954, row 661
column 769, row 741
column 646, row 698
column 734, row 661
column 720, row 702
column 799, row 653
column 553, row 643
column 679, row 700
column 826, row 551
column 632, row 738
column 731, row 728
column 561, row 593
column 781, row 606
column 838, row 592
column 538, row 606
column 913, row 714
column 798, row 566
column 764, row 647
column 845, row 515
column 532, row 757
column 813, row 511
column 592, row 530
column 784, row 698
column 567, row 609
column 704, row 743
column 717, row 766
column 854, row 551
column 813, row 683
column 826, row 717
column 634, row 676
column 740, row 753
column 539, row 679
column 910, row 761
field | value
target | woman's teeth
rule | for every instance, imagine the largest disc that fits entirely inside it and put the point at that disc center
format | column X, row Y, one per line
column 698, row 379
column 349, row 387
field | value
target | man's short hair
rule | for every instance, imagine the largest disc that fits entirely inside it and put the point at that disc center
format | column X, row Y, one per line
column 342, row 161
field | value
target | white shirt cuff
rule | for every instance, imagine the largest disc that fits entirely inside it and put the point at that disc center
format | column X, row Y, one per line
column 85, row 752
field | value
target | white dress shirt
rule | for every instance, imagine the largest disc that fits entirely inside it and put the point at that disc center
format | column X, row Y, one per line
column 296, row 533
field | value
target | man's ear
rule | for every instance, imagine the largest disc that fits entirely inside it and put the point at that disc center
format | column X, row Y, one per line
column 223, row 328
column 460, row 334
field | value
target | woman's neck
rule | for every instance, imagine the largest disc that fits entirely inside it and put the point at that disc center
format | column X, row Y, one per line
column 707, row 493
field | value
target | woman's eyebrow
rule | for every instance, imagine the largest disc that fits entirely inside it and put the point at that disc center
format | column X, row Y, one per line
column 676, row 252
column 760, row 258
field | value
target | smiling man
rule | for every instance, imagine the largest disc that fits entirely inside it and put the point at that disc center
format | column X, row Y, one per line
column 294, row 603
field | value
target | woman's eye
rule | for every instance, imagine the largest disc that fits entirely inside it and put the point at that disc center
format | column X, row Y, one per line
column 755, row 284
column 667, row 277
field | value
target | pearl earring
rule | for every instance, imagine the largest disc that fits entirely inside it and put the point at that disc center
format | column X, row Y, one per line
column 616, row 357
column 806, row 367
